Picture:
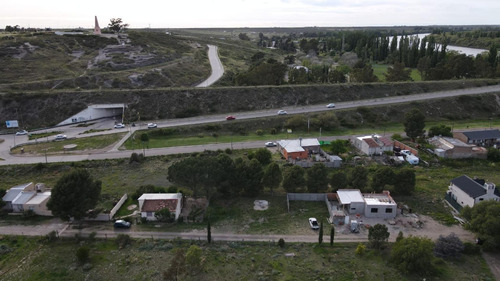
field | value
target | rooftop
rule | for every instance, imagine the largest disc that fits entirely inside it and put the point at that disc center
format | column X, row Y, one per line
column 469, row 186
column 297, row 145
column 23, row 197
column 347, row 196
column 159, row 204
column 160, row 196
column 481, row 135
column 39, row 198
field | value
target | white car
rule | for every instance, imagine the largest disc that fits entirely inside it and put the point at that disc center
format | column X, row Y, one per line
column 152, row 125
column 313, row 223
column 330, row 105
column 22, row 133
column 282, row 112
column 60, row 137
column 270, row 144
column 119, row 126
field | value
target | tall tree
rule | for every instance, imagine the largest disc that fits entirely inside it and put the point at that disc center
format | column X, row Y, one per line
column 378, row 235
column 397, row 72
column 293, row 178
column 177, row 266
column 405, row 183
column 272, row 176
column 209, row 232
column 484, row 219
column 317, row 178
column 338, row 180
column 74, row 194
column 320, row 234
column 332, row 235
column 414, row 122
column 116, row 25
column 358, row 177
column 383, row 177
column 263, row 155
column 253, row 182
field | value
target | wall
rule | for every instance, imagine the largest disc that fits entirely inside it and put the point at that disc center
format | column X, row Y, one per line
column 118, row 205
column 94, row 112
column 405, row 147
column 461, row 197
column 381, row 213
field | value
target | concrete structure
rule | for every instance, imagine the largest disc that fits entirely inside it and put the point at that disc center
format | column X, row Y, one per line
column 97, row 111
column 484, row 138
column 353, row 202
column 380, row 205
column 454, row 148
column 38, row 204
column 298, row 149
column 149, row 203
column 373, row 145
column 468, row 192
column 97, row 29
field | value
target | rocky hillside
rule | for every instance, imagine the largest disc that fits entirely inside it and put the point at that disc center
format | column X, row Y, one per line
column 42, row 109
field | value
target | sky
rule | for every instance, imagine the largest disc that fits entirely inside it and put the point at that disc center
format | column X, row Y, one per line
column 248, row 13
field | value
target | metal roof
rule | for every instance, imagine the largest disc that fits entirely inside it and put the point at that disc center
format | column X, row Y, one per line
column 347, row 196
column 297, row 145
column 160, row 196
column 23, row 197
column 469, row 186
column 482, row 135
column 13, row 192
column 39, row 198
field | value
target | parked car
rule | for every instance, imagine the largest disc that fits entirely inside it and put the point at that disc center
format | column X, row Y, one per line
column 230, row 117
column 313, row 223
column 60, row 137
column 122, row 224
column 152, row 125
column 119, row 126
column 270, row 144
column 282, row 112
column 22, row 133
column 330, row 105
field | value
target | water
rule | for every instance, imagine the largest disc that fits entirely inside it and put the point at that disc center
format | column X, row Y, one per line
column 462, row 50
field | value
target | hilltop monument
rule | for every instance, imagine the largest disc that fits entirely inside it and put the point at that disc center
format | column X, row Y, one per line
column 97, row 29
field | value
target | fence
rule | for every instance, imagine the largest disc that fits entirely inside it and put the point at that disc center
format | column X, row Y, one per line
column 304, row 197
column 405, row 147
column 108, row 217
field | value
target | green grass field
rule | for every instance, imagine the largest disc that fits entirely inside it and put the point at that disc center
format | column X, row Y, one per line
column 380, row 69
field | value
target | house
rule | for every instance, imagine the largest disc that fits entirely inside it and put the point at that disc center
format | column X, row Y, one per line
column 371, row 205
column 373, row 145
column 454, row 148
column 484, row 138
column 149, row 203
column 298, row 149
column 465, row 191
column 38, row 204
column 12, row 195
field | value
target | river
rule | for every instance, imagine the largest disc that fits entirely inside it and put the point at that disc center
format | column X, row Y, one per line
column 462, row 50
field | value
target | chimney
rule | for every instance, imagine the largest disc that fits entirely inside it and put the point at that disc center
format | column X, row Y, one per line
column 490, row 188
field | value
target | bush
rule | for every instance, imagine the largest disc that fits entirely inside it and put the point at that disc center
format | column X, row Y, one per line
column 172, row 189
column 51, row 236
column 360, row 250
column 397, row 137
column 83, row 254
column 136, row 158
column 228, row 151
column 274, row 131
column 122, row 240
column 281, row 243
column 471, row 249
column 448, row 246
column 259, row 132
column 29, row 214
column 92, row 236
column 147, row 189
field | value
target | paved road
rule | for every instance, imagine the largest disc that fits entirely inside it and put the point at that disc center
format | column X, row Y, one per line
column 114, row 153
column 215, row 64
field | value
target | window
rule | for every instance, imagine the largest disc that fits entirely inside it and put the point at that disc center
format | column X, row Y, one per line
column 481, row 199
column 374, row 210
column 353, row 209
column 388, row 210
column 149, row 214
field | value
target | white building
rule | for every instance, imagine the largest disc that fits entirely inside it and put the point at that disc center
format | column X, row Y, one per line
column 149, row 203
column 38, row 204
column 468, row 192
column 351, row 200
column 371, row 205
column 373, row 144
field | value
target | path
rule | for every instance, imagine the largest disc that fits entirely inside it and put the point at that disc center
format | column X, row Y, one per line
column 217, row 67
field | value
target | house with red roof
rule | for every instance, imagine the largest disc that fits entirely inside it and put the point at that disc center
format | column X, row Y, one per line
column 150, row 203
column 373, row 144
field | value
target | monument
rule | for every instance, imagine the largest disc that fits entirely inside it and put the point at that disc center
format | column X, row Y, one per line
column 97, row 29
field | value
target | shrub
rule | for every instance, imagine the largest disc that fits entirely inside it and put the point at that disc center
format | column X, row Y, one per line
column 259, row 132
column 51, row 236
column 397, row 137
column 360, row 250
column 281, row 243
column 273, row 131
column 471, row 249
column 92, row 236
column 172, row 189
column 83, row 254
column 122, row 240
column 448, row 246
column 136, row 158
column 29, row 214
column 228, row 151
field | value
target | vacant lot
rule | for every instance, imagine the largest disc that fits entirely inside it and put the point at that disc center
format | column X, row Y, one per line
column 27, row 259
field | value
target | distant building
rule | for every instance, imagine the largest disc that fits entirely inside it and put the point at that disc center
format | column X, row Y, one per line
column 465, row 191
column 26, row 197
column 454, row 148
column 484, row 138
column 374, row 144
column 298, row 149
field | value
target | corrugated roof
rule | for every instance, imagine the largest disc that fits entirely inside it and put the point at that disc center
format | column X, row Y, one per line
column 469, row 186
column 23, row 197
column 13, row 192
column 158, row 196
column 297, row 145
column 347, row 196
column 371, row 142
column 482, row 135
column 156, row 205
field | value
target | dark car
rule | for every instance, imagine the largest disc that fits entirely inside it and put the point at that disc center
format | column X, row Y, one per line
column 230, row 117
column 122, row 224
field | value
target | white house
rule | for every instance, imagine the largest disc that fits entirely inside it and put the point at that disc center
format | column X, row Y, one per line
column 468, row 192
column 149, row 203
column 38, row 204
column 14, row 192
column 371, row 205
column 373, row 145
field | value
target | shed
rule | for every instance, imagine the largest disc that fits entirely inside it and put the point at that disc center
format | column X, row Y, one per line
column 351, row 200
column 149, row 203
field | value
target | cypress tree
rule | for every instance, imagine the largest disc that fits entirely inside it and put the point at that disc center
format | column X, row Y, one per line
column 332, row 235
column 320, row 238
column 209, row 233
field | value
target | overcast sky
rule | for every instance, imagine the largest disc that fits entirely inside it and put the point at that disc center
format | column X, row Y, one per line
column 248, row 13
